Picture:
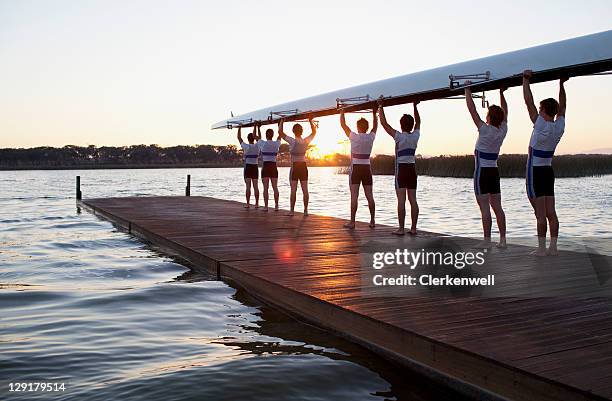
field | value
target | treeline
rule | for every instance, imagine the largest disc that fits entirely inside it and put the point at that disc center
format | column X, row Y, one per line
column 110, row 156
column 154, row 156
column 140, row 156
column 510, row 166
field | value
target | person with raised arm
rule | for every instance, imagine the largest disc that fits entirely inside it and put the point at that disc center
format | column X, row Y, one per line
column 251, row 170
column 491, row 135
column 406, row 143
column 360, row 171
column 269, row 172
column 299, row 169
column 548, row 128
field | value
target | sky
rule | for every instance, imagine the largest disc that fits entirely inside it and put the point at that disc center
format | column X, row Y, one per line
column 161, row 72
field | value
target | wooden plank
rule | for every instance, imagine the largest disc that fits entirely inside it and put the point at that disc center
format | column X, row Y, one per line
column 520, row 347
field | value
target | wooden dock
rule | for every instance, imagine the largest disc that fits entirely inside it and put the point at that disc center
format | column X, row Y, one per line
column 551, row 347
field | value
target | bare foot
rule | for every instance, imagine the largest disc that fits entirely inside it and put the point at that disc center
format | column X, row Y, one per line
column 256, row 206
column 290, row 214
column 502, row 244
column 413, row 231
column 540, row 252
column 265, row 209
column 349, row 225
column 276, row 208
column 372, row 224
column 553, row 251
column 399, row 231
column 305, row 212
column 247, row 206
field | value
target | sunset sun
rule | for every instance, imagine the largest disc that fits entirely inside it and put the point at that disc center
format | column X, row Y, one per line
column 328, row 145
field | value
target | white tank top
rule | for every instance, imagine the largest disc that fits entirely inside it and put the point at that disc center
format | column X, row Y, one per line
column 269, row 150
column 361, row 147
column 488, row 144
column 251, row 152
column 406, row 145
column 544, row 140
column 298, row 147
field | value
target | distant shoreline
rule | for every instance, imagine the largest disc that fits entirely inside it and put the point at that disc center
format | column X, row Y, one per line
column 118, row 167
column 92, row 157
column 511, row 166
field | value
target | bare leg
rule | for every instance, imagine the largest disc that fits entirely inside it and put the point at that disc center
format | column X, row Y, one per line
column 485, row 213
column 275, row 189
column 540, row 212
column 371, row 205
column 292, row 197
column 500, row 217
column 553, row 223
column 247, row 182
column 414, row 210
column 266, row 185
column 304, row 185
column 354, row 188
column 533, row 204
column 256, row 189
column 401, row 210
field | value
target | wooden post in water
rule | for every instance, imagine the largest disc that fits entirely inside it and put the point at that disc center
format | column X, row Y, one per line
column 188, row 187
column 79, row 195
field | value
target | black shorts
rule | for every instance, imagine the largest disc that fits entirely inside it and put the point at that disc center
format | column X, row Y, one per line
column 269, row 170
column 486, row 181
column 405, row 176
column 360, row 174
column 541, row 181
column 298, row 172
column 251, row 171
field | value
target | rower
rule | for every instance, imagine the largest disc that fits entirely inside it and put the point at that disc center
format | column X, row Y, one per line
column 360, row 171
column 540, row 177
column 269, row 172
column 251, row 170
column 487, row 188
column 406, row 143
column 299, row 169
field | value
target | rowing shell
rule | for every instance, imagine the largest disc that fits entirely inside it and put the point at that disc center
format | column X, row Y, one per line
column 585, row 55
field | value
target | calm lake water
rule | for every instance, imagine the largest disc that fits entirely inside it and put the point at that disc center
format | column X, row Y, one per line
column 112, row 318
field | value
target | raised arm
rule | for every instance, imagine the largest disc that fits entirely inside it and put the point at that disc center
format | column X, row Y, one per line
column 258, row 134
column 345, row 127
column 417, row 116
column 471, row 106
column 528, row 96
column 281, row 133
column 562, row 97
column 313, row 129
column 374, row 121
column 239, row 136
column 504, row 104
column 255, row 137
column 384, row 123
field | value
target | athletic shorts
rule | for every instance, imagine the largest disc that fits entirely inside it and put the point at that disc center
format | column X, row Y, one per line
column 405, row 176
column 269, row 170
column 542, row 182
column 486, row 181
column 251, row 171
column 298, row 172
column 360, row 174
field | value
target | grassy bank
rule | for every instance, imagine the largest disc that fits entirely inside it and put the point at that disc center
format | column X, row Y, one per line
column 510, row 166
